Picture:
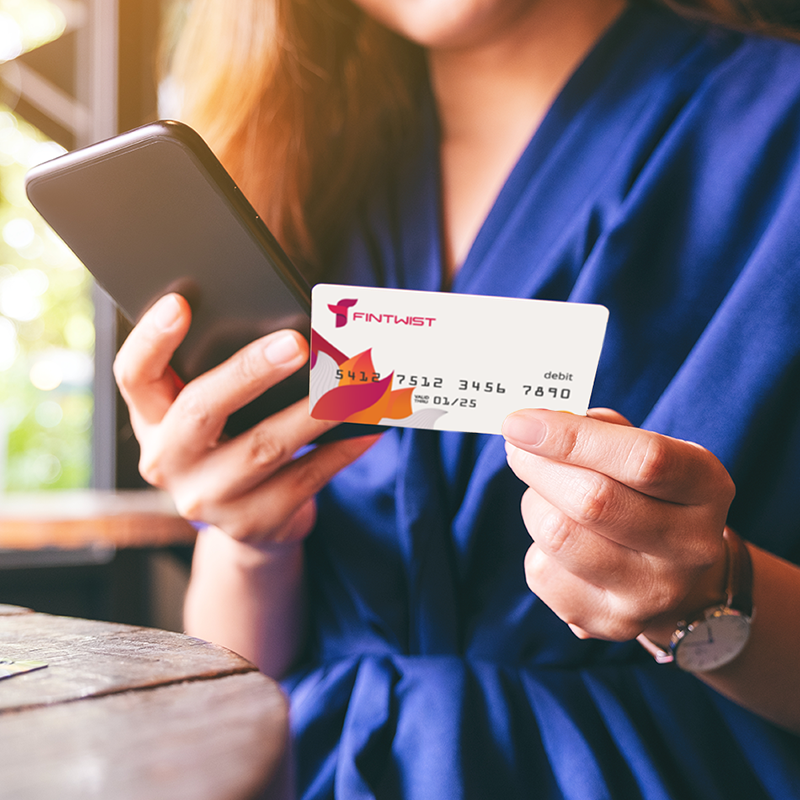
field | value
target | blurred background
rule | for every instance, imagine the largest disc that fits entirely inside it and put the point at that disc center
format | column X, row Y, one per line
column 46, row 310
column 72, row 72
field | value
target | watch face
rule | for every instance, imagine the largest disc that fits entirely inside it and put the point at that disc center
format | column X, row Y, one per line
column 713, row 641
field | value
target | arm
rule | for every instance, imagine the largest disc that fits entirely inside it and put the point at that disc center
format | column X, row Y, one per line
column 248, row 599
column 627, row 528
column 764, row 677
column 246, row 590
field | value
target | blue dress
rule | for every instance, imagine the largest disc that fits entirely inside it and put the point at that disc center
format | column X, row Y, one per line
column 664, row 183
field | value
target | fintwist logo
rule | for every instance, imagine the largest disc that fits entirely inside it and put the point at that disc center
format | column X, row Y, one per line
column 340, row 309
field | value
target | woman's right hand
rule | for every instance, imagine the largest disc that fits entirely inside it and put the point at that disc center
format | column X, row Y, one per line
column 251, row 487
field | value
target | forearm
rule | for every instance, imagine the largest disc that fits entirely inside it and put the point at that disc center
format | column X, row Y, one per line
column 764, row 677
column 248, row 599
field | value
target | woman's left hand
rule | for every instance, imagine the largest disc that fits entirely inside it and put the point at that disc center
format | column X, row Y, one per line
column 626, row 524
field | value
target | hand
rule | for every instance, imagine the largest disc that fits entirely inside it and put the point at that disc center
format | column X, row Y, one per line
column 627, row 524
column 251, row 487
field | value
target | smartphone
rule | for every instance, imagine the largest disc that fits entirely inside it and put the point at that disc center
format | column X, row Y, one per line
column 153, row 211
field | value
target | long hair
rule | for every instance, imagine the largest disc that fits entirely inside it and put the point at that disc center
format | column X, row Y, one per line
column 302, row 101
column 306, row 101
column 771, row 17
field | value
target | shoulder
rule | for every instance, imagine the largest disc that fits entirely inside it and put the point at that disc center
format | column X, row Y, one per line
column 761, row 73
column 724, row 113
column 718, row 72
column 746, row 76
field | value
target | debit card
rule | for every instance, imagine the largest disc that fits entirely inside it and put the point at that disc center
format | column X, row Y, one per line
column 446, row 361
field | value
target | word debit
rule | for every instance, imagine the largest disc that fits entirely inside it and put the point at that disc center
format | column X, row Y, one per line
column 443, row 361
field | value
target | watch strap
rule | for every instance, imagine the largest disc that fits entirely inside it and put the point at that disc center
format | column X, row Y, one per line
column 661, row 655
column 740, row 574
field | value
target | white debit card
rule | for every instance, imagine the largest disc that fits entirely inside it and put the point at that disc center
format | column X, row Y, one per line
column 444, row 361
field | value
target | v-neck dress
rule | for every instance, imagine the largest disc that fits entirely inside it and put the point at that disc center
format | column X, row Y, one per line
column 663, row 183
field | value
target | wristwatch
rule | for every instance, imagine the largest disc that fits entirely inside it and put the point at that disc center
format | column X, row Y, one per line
column 721, row 633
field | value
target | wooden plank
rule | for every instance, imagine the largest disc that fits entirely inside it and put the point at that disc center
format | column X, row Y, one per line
column 218, row 739
column 89, row 658
column 69, row 519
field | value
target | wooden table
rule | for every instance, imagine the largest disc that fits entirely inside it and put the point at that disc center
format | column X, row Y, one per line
column 127, row 713
column 82, row 518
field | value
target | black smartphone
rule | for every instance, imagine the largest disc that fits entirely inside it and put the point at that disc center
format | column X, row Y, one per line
column 153, row 211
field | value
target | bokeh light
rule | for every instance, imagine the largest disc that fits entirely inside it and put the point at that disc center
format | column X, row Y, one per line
column 46, row 375
column 19, row 233
column 8, row 344
column 21, row 293
column 26, row 24
column 49, row 413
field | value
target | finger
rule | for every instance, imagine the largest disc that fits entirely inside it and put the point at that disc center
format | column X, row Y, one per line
column 588, row 499
column 263, row 512
column 581, row 551
column 594, row 558
column 655, row 465
column 260, row 452
column 588, row 609
column 141, row 368
column 200, row 412
column 307, row 475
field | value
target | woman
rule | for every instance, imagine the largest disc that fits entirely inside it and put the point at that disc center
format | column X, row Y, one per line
column 585, row 150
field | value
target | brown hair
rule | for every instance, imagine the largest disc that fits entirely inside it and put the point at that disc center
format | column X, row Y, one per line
column 305, row 100
column 301, row 100
column 772, row 17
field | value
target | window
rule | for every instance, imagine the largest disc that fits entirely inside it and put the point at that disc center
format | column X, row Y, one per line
column 46, row 314
column 71, row 72
column 46, row 334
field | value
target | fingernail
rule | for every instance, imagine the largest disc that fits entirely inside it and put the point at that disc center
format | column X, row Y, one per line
column 166, row 312
column 282, row 350
column 525, row 429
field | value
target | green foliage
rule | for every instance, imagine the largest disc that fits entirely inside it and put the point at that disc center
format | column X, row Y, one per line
column 46, row 334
